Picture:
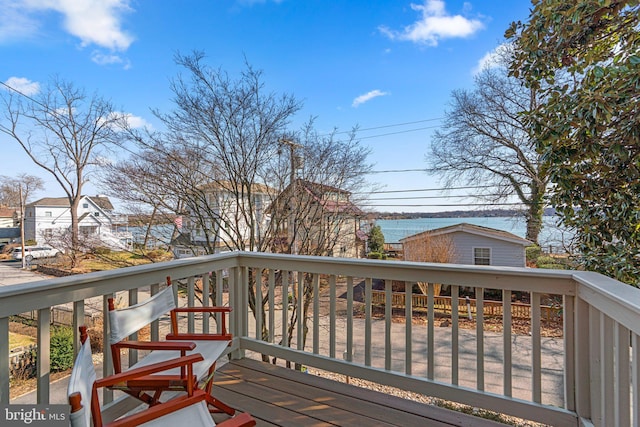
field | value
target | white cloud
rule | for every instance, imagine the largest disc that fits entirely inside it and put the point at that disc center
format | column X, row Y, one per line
column 493, row 59
column 96, row 22
column 118, row 119
column 14, row 23
column 134, row 122
column 368, row 97
column 434, row 25
column 101, row 58
column 23, row 85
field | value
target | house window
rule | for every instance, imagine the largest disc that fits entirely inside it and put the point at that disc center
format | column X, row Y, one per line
column 48, row 233
column 48, row 214
column 97, row 214
column 482, row 256
column 85, row 206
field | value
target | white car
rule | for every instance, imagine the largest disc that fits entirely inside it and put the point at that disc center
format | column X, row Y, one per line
column 35, row 252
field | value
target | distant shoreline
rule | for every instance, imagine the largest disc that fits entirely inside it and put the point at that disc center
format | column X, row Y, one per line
column 490, row 213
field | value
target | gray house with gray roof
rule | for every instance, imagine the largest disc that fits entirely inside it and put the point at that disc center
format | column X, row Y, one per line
column 475, row 245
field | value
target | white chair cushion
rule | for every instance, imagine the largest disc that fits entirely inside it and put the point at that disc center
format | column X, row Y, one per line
column 125, row 321
column 194, row 415
column 211, row 350
column 82, row 378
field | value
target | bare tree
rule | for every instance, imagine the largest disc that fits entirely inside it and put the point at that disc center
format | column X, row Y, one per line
column 222, row 158
column 221, row 138
column 485, row 141
column 64, row 132
column 148, row 185
column 321, row 200
column 430, row 248
column 16, row 190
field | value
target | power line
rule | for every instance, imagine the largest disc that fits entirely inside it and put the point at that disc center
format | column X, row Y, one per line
column 398, row 133
column 397, row 171
column 470, row 187
column 459, row 196
column 444, row 205
column 385, row 126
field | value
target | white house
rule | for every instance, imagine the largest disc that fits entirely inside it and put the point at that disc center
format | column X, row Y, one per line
column 224, row 217
column 47, row 218
column 9, row 226
column 473, row 244
column 8, row 217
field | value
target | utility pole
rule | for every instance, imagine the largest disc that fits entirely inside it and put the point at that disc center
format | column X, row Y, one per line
column 23, row 260
column 292, row 183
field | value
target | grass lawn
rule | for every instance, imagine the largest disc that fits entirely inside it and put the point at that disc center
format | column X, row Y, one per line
column 112, row 260
column 19, row 340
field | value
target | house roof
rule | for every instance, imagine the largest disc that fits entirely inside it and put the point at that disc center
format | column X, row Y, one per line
column 479, row 230
column 228, row 186
column 102, row 202
column 51, row 201
column 7, row 212
column 317, row 192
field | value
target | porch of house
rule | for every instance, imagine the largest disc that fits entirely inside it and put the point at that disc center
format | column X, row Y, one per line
column 594, row 368
column 277, row 396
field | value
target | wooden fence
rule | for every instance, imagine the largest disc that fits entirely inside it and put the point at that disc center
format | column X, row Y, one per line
column 491, row 308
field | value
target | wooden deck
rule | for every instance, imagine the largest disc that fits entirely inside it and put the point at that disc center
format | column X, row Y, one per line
column 276, row 396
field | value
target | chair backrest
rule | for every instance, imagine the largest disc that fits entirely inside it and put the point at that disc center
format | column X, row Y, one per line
column 82, row 378
column 125, row 321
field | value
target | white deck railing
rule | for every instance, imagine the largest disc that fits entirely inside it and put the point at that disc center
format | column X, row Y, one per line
column 589, row 375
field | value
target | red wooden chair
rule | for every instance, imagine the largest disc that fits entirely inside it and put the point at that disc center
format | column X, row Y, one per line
column 126, row 321
column 188, row 409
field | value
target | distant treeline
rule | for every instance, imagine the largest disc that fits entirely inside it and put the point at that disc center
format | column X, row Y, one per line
column 487, row 213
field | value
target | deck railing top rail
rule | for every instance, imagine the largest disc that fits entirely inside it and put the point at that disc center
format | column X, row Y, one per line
column 617, row 299
column 600, row 313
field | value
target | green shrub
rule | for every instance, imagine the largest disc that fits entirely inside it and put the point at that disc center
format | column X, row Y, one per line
column 553, row 266
column 376, row 255
column 533, row 252
column 101, row 250
column 61, row 349
column 546, row 259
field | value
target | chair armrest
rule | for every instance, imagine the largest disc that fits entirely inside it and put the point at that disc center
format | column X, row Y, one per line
column 157, row 411
column 184, row 336
column 156, row 345
column 177, row 335
column 242, row 420
column 154, row 368
column 208, row 309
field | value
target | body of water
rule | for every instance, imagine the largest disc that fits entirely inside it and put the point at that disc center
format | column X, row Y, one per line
column 550, row 235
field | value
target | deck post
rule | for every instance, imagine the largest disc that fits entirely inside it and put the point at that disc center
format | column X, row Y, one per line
column 4, row 360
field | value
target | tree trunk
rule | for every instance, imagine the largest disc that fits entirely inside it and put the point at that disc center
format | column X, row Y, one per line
column 534, row 214
column 75, row 231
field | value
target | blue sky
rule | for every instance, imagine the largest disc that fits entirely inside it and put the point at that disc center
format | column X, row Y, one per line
column 387, row 66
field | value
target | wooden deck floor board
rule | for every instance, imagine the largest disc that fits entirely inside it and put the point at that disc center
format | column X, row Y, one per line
column 345, row 406
column 283, row 397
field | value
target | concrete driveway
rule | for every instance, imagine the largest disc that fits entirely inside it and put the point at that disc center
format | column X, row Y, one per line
column 11, row 273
